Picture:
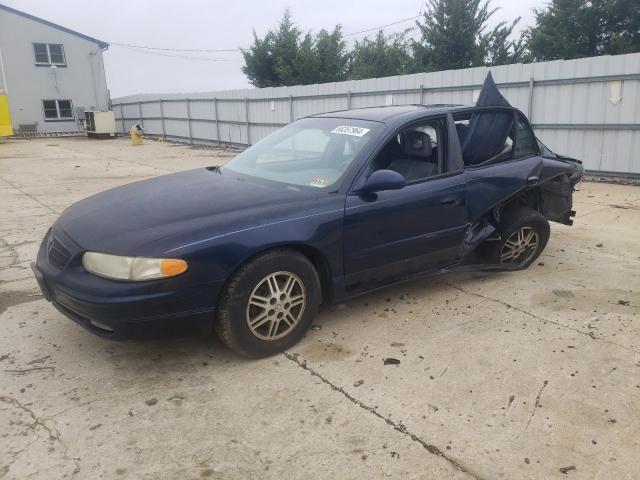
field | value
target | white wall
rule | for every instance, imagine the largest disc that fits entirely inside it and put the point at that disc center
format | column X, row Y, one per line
column 82, row 80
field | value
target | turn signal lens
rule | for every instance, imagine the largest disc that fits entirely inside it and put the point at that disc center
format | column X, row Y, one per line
column 118, row 267
column 171, row 267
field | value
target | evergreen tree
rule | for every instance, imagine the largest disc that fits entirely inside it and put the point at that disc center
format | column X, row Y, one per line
column 569, row 29
column 287, row 57
column 258, row 62
column 501, row 49
column 333, row 58
column 381, row 57
column 454, row 34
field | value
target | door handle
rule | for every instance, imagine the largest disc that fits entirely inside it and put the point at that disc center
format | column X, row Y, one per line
column 533, row 180
column 449, row 202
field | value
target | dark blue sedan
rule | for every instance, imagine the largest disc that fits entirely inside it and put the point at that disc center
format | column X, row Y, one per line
column 329, row 207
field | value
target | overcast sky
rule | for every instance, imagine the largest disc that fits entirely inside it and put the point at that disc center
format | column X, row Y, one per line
column 202, row 24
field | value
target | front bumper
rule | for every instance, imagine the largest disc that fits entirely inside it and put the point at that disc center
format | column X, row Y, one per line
column 121, row 310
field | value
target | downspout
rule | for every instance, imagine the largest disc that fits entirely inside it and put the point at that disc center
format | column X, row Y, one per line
column 104, row 75
column 4, row 76
column 93, row 81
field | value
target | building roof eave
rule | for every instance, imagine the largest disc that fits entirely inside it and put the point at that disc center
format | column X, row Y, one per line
column 103, row 45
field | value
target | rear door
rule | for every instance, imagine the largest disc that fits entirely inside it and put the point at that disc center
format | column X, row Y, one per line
column 396, row 233
column 506, row 169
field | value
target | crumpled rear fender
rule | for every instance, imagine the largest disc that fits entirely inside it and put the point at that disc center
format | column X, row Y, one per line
column 549, row 189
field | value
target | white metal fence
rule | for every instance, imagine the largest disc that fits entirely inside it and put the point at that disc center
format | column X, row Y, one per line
column 587, row 108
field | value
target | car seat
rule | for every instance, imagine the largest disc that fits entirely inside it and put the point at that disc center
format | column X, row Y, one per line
column 417, row 160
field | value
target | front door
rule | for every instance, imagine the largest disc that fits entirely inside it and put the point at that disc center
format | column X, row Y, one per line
column 393, row 234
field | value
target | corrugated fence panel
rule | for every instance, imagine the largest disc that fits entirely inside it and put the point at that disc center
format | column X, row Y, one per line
column 175, row 109
column 587, row 108
column 152, row 127
column 203, row 130
column 233, row 133
column 129, row 111
column 150, row 109
column 310, row 106
column 259, row 132
column 202, row 110
column 269, row 111
column 621, row 150
column 176, row 128
column 233, row 111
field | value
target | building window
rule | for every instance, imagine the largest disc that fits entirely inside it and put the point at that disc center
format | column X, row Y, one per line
column 57, row 110
column 48, row 54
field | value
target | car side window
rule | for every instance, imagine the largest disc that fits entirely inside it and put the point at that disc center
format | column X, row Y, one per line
column 415, row 152
column 525, row 143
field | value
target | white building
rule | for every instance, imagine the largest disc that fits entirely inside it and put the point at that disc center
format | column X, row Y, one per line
column 52, row 74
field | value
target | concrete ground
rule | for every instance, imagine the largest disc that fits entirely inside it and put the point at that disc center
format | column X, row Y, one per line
column 533, row 374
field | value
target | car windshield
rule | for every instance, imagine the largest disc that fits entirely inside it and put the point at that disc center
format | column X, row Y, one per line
column 313, row 152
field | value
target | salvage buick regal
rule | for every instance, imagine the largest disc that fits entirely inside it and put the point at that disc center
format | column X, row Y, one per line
column 329, row 207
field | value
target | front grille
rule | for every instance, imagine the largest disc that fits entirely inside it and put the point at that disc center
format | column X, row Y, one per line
column 58, row 254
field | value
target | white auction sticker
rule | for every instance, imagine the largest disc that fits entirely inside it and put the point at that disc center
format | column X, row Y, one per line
column 319, row 182
column 354, row 131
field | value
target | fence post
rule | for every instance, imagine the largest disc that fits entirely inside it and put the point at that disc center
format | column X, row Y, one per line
column 140, row 115
column 421, row 94
column 189, row 121
column 215, row 111
column 290, row 109
column 122, row 119
column 246, row 118
column 348, row 99
column 530, row 105
column 164, row 137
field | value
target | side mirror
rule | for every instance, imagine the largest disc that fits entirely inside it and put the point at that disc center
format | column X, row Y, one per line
column 383, row 180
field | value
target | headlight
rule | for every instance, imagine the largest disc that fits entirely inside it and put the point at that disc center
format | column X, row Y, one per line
column 132, row 268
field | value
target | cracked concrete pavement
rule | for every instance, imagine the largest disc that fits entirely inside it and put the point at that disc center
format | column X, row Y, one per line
column 531, row 375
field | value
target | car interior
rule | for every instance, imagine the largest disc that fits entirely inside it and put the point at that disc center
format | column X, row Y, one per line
column 311, row 156
column 414, row 153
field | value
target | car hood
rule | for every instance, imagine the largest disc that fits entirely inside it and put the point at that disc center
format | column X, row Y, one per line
column 163, row 212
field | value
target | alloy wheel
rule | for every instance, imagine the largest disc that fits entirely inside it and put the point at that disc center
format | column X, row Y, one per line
column 520, row 247
column 276, row 306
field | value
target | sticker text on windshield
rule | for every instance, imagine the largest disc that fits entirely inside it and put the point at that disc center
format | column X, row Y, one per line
column 354, row 131
column 319, row 182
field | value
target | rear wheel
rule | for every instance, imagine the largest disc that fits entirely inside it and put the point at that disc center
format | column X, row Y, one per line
column 268, row 304
column 524, row 234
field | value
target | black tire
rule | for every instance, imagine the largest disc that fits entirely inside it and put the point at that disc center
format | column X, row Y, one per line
column 233, row 312
column 521, row 219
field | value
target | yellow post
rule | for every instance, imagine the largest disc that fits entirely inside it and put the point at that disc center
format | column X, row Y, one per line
column 6, row 130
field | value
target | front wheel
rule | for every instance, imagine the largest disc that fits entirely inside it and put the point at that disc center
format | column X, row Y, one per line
column 268, row 304
column 524, row 233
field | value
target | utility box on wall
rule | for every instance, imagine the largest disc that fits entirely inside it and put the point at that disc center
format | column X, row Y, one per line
column 100, row 124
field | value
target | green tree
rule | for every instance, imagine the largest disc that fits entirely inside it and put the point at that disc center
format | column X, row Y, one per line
column 258, row 62
column 622, row 32
column 383, row 56
column 455, row 34
column 452, row 34
column 333, row 58
column 287, row 57
column 569, row 29
column 501, row 48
